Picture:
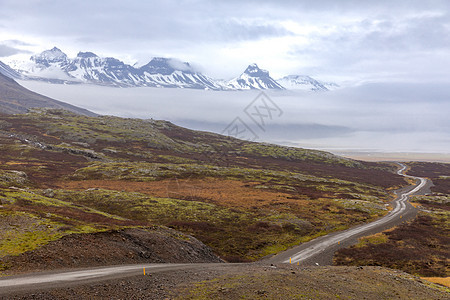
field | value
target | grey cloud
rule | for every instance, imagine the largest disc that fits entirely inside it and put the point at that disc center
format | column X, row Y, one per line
column 419, row 33
column 16, row 43
column 6, row 50
column 234, row 30
column 390, row 34
column 373, row 38
column 165, row 20
column 392, row 47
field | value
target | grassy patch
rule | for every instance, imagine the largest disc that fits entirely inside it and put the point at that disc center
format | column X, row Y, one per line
column 22, row 232
column 29, row 220
column 378, row 238
column 445, row 281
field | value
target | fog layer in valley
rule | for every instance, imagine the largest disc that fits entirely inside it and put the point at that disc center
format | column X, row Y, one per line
column 387, row 117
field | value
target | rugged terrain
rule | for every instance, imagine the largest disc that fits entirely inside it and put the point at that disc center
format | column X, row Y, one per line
column 124, row 246
column 80, row 191
column 65, row 174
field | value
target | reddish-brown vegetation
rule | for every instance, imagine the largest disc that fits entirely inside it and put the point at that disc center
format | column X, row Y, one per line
column 421, row 247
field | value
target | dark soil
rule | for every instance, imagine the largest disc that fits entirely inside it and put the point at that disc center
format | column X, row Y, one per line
column 434, row 171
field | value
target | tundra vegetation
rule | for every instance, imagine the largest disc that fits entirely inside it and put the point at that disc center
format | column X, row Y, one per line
column 65, row 174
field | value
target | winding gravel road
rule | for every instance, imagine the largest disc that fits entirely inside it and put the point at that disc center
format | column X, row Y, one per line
column 316, row 252
column 321, row 250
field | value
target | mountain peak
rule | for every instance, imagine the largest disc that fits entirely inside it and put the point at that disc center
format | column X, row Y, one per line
column 55, row 49
column 166, row 66
column 86, row 54
column 49, row 56
column 254, row 78
column 254, row 71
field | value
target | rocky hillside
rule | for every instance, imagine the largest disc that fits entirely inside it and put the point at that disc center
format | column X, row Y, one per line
column 16, row 99
column 120, row 246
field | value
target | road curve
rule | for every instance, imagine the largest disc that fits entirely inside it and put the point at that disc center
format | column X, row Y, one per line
column 321, row 250
column 318, row 251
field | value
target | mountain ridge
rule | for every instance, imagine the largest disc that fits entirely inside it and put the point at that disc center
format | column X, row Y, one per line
column 55, row 66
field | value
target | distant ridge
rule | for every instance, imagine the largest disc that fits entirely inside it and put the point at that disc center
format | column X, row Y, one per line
column 15, row 99
column 55, row 66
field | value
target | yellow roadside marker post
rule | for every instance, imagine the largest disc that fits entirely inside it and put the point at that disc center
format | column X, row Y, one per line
column 144, row 271
column 290, row 260
column 339, row 242
column 298, row 263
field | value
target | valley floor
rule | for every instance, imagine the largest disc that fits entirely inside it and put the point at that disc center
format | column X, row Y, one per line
column 396, row 156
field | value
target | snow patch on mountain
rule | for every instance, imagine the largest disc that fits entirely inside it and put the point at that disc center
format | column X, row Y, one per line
column 254, row 78
column 305, row 83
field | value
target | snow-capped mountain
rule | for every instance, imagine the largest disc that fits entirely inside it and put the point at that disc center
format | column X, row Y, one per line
column 49, row 66
column 48, row 57
column 305, row 83
column 254, row 78
column 56, row 67
column 90, row 68
column 165, row 72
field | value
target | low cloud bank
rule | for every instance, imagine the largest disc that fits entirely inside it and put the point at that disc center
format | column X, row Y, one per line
column 407, row 117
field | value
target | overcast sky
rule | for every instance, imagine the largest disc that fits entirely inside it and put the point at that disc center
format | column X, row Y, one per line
column 403, row 41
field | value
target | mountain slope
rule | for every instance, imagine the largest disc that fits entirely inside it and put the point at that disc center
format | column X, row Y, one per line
column 16, row 99
column 164, row 72
column 306, row 83
column 8, row 71
column 301, row 82
column 254, row 78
